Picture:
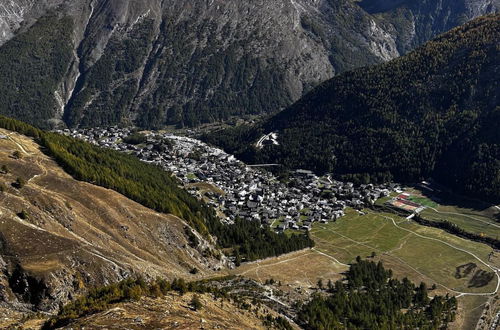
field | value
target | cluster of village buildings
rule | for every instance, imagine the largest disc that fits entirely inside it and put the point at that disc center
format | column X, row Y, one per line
column 242, row 191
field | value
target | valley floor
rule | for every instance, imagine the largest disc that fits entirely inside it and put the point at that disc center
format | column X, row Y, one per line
column 410, row 250
column 456, row 266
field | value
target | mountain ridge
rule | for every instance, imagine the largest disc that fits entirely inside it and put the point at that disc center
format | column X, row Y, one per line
column 231, row 58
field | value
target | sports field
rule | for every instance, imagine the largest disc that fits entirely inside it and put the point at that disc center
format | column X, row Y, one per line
column 411, row 200
column 422, row 200
column 477, row 217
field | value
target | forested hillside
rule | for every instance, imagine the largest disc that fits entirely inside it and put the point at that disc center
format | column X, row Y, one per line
column 433, row 112
column 186, row 62
column 157, row 189
column 32, row 66
column 372, row 299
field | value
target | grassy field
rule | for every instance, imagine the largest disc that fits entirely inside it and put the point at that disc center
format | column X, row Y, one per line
column 410, row 250
column 422, row 200
column 470, row 309
column 478, row 224
column 473, row 216
column 301, row 268
column 205, row 187
column 419, row 252
column 445, row 201
column 383, row 200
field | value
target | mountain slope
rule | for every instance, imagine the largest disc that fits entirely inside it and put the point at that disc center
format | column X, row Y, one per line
column 153, row 62
column 422, row 20
column 150, row 313
column 125, row 236
column 432, row 112
column 59, row 236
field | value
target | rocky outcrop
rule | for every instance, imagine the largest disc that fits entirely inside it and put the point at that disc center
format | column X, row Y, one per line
column 11, row 15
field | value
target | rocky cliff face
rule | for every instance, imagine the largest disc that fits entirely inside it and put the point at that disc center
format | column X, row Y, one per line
column 415, row 22
column 203, row 61
column 11, row 15
column 153, row 62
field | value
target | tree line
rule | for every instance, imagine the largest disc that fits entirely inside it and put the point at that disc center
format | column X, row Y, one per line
column 132, row 289
column 452, row 228
column 370, row 298
column 157, row 189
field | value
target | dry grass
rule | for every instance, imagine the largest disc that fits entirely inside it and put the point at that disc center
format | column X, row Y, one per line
column 169, row 312
column 77, row 230
column 408, row 255
column 207, row 187
column 470, row 309
column 68, row 216
column 174, row 312
column 427, row 255
column 299, row 269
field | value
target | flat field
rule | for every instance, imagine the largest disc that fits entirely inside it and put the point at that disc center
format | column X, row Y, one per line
column 409, row 249
column 430, row 253
column 457, row 266
column 469, row 214
column 299, row 269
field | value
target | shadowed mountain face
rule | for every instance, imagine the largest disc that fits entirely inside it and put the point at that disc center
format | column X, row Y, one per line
column 419, row 21
column 154, row 63
column 433, row 112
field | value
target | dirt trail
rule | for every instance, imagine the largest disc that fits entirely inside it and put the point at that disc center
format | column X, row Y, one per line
column 467, row 216
column 459, row 293
column 9, row 136
column 495, row 270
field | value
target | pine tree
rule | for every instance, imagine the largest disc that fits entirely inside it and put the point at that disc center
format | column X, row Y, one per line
column 237, row 258
column 196, row 303
column 330, row 285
